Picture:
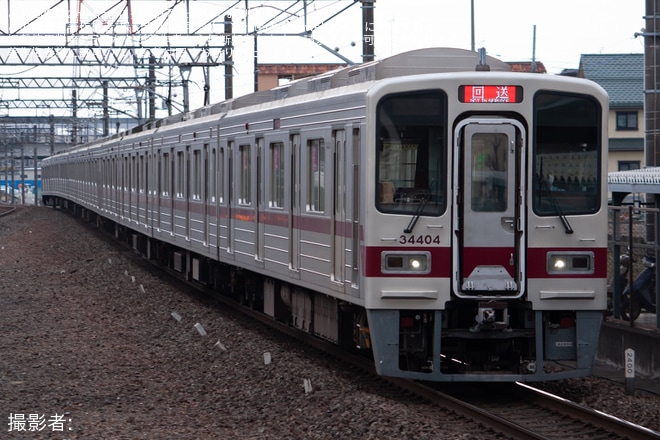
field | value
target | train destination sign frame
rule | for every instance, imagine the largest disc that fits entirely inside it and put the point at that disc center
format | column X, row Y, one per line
column 507, row 94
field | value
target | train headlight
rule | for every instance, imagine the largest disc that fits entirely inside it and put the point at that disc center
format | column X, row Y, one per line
column 570, row 262
column 406, row 262
column 558, row 263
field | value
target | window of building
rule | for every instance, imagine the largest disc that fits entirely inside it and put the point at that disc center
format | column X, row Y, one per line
column 626, row 165
column 626, row 121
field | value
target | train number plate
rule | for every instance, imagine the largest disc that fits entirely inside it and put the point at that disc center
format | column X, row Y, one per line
column 419, row 239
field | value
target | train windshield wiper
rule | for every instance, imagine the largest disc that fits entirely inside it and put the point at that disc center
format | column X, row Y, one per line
column 413, row 221
column 555, row 204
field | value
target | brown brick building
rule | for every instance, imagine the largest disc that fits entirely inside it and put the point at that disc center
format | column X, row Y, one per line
column 273, row 75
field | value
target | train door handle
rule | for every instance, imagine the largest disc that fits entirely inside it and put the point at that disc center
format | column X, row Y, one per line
column 509, row 223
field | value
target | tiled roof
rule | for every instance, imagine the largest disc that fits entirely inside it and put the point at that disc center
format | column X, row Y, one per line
column 621, row 75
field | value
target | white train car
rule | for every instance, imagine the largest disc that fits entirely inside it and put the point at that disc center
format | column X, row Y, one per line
column 451, row 222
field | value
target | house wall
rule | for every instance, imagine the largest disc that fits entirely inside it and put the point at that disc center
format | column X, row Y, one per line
column 616, row 156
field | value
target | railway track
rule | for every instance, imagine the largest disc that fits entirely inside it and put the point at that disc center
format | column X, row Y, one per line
column 536, row 414
column 515, row 411
column 6, row 208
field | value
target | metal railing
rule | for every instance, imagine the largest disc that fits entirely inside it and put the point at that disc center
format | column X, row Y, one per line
column 633, row 235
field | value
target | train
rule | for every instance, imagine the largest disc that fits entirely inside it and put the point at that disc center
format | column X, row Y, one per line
column 434, row 209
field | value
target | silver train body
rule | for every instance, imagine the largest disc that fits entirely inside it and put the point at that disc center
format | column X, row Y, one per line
column 452, row 222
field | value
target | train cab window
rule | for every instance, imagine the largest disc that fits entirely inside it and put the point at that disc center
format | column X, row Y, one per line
column 566, row 154
column 315, row 175
column 411, row 153
column 277, row 175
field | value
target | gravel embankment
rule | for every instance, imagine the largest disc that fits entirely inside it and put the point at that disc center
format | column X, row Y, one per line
column 90, row 350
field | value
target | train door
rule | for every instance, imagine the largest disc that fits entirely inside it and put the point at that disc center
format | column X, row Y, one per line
column 294, row 197
column 132, row 192
column 170, row 184
column 355, row 192
column 99, row 165
column 230, row 197
column 158, row 193
column 258, row 208
column 125, row 213
column 148, row 190
column 206, row 199
column 143, row 189
column 187, row 190
column 489, row 217
column 338, row 222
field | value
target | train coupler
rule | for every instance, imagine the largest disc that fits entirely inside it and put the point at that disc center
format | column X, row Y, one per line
column 491, row 315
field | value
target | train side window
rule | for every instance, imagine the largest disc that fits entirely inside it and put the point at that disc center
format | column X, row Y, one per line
column 125, row 175
column 113, row 173
column 245, row 173
column 315, row 175
column 197, row 175
column 566, row 154
column 166, row 178
column 411, row 155
column 142, row 183
column 134, row 174
column 180, row 176
column 277, row 164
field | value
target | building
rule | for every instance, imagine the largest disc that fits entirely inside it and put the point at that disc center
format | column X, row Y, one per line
column 622, row 76
column 273, row 75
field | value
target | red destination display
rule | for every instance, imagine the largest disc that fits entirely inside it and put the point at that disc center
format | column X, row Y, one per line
column 490, row 93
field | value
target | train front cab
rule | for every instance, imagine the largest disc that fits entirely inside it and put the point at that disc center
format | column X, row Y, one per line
column 499, row 273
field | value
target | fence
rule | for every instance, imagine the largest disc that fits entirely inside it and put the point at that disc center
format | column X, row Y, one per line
column 633, row 233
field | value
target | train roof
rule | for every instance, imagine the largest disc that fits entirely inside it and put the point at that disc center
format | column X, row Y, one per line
column 416, row 62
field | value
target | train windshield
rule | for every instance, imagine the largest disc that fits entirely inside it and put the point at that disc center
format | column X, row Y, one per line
column 412, row 149
column 566, row 154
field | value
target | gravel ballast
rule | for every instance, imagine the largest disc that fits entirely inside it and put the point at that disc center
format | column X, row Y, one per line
column 95, row 344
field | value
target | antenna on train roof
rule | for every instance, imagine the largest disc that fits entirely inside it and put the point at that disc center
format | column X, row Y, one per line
column 482, row 66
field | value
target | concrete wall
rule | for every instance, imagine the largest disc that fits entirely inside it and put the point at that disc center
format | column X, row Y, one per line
column 617, row 336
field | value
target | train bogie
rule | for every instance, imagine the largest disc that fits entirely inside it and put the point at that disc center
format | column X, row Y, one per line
column 449, row 222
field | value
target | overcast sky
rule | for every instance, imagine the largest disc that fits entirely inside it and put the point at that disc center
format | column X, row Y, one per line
column 565, row 29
